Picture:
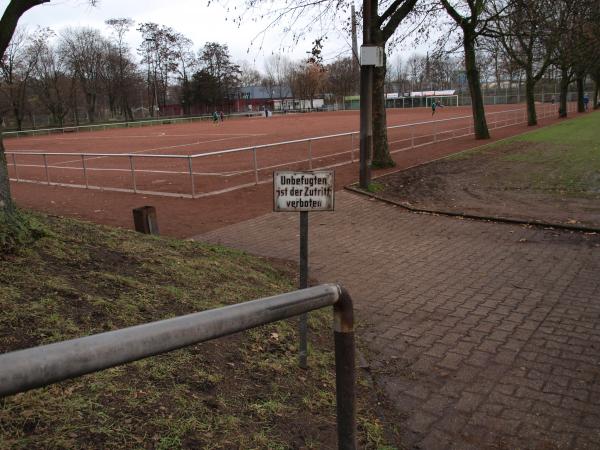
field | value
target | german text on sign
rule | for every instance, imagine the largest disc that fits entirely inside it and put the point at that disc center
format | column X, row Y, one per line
column 303, row 191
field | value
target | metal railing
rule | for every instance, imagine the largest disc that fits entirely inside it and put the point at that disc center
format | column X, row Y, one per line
column 238, row 168
column 128, row 124
column 40, row 366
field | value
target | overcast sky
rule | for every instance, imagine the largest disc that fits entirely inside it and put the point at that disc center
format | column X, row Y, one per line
column 193, row 18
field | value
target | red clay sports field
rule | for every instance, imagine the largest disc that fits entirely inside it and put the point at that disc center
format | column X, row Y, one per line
column 196, row 159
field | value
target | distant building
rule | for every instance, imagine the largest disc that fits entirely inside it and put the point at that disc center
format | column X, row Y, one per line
column 250, row 99
column 280, row 98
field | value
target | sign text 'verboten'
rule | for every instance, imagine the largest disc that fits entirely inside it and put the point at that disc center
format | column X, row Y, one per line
column 303, row 191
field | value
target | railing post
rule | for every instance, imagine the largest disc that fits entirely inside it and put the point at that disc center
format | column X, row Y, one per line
column 310, row 166
column 15, row 166
column 412, row 136
column 352, row 147
column 46, row 167
column 131, row 166
column 345, row 371
column 191, row 176
column 85, row 176
column 255, row 163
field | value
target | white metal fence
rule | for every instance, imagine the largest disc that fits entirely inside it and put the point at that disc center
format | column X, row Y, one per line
column 211, row 173
column 130, row 124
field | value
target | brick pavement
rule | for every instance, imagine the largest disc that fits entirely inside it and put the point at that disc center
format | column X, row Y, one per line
column 483, row 335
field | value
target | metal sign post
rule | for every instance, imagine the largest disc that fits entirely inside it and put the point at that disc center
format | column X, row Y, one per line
column 303, row 285
column 303, row 192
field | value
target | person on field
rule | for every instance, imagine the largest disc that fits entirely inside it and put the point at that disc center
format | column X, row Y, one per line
column 586, row 102
column 215, row 117
column 222, row 116
column 433, row 107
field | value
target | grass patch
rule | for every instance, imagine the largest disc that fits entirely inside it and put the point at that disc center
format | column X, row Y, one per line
column 564, row 157
column 569, row 153
column 244, row 391
column 375, row 187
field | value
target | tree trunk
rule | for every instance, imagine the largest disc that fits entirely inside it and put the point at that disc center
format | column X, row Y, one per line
column 564, row 92
column 480, row 124
column 6, row 203
column 14, row 229
column 18, row 117
column 530, row 98
column 580, row 105
column 595, row 103
column 381, row 150
column 91, row 107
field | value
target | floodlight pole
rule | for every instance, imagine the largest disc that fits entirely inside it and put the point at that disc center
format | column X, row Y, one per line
column 366, row 102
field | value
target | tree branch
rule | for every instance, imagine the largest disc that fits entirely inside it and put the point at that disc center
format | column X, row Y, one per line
column 397, row 17
column 10, row 19
column 460, row 20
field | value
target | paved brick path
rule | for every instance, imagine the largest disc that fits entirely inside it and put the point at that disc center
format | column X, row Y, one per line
column 483, row 335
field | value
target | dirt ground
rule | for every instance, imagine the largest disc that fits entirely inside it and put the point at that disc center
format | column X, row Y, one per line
column 487, row 184
column 185, row 217
column 159, row 154
column 238, row 392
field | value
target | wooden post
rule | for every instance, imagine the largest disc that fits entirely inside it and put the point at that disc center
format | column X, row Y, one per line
column 145, row 221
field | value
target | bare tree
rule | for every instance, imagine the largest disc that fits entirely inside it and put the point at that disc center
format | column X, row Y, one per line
column 50, row 82
column 342, row 78
column 84, row 50
column 13, row 228
column 383, row 28
column 187, row 64
column 301, row 15
column 16, row 68
column 526, row 34
column 159, row 51
column 276, row 67
column 416, row 71
column 249, row 75
column 398, row 69
column 125, row 65
column 473, row 18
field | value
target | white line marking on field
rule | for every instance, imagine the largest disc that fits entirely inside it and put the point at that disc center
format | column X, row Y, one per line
column 144, row 136
column 146, row 150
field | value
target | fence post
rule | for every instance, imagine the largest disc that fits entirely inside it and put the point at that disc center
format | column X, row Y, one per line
column 352, row 147
column 84, row 171
column 255, row 162
column 46, row 167
column 310, row 166
column 15, row 166
column 191, row 176
column 131, row 166
column 345, row 371
column 145, row 221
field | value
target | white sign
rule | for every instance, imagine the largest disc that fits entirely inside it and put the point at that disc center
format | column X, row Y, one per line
column 371, row 55
column 303, row 191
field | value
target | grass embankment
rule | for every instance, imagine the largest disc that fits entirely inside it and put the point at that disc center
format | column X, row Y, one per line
column 563, row 158
column 244, row 391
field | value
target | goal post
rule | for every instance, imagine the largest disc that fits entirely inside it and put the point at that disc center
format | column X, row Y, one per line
column 445, row 100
